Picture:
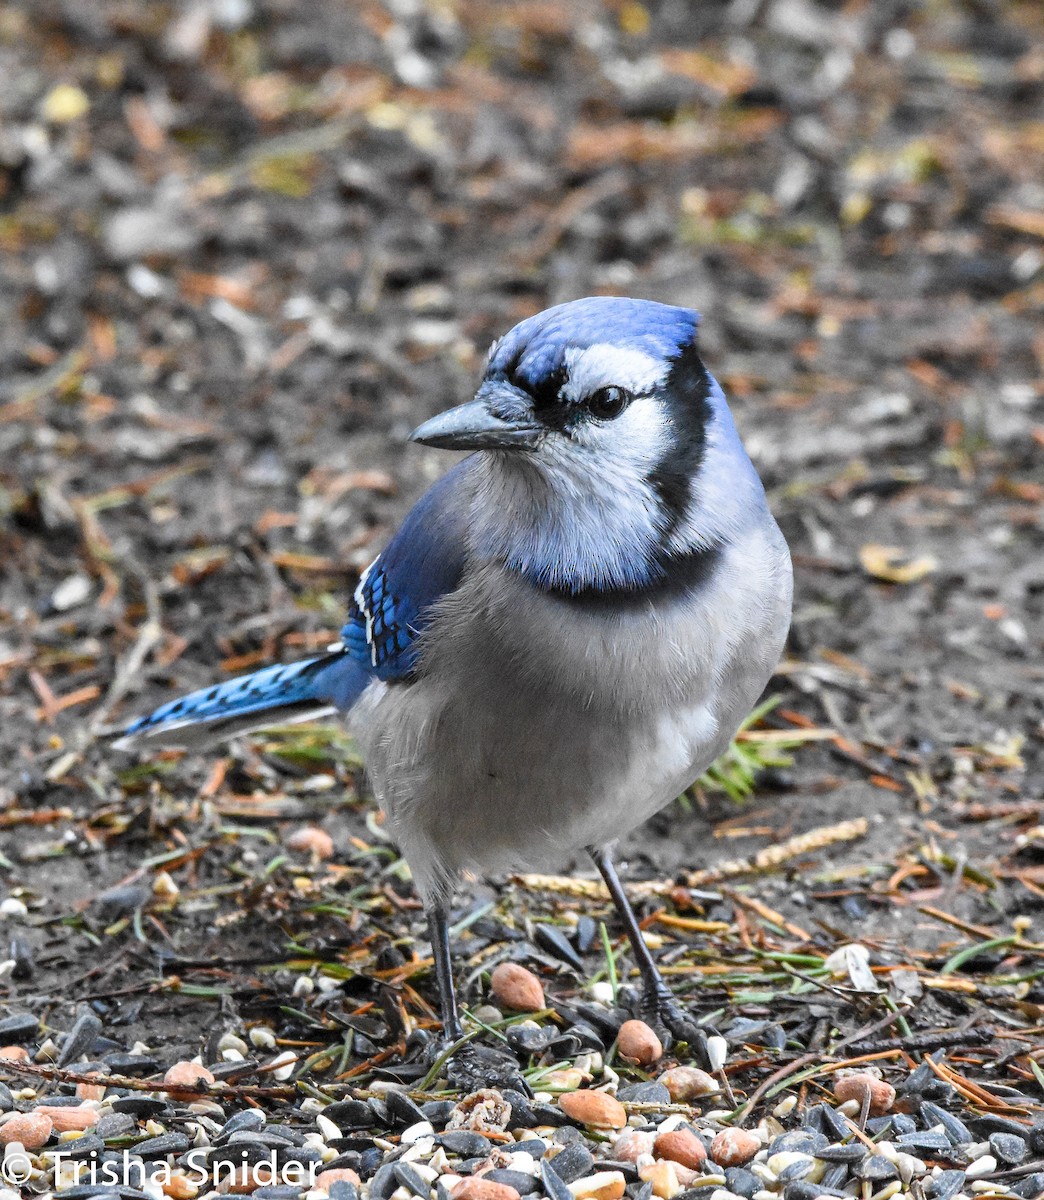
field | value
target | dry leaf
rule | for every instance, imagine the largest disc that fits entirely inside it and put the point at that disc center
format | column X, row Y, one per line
column 895, row 565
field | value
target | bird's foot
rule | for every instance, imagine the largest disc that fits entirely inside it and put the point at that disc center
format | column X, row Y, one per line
column 470, row 1066
column 660, row 1010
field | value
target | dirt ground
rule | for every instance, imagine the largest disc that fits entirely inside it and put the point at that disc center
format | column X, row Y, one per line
column 246, row 245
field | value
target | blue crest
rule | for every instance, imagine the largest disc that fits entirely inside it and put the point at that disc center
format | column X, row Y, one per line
column 535, row 347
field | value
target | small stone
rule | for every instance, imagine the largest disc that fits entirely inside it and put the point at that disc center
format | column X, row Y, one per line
column 282, row 1066
column 717, row 1051
column 804, row 1141
column 14, row 1053
column 324, row 1179
column 646, row 1092
column 411, row 1178
column 834, row 1177
column 688, row 1083
column 464, row 1144
column 633, row 1143
column 92, row 1091
column 131, row 1064
column 946, row 1185
column 138, row 1105
column 410, row 1136
column 798, row 1189
column 681, row 1146
column 566, row 1080
column 603, row 1185
column 638, row 1043
column 529, row 1037
column 474, row 1187
column 517, row 988
column 594, row 1109
column 1008, row 1148
column 115, row 1125
column 188, row 1075
column 877, row 1169
column 403, row 1110
column 262, row 1037
column 523, row 1182
column 742, row 1182
column 535, row 1147
column 572, row 1163
column 956, row 1130
column 856, row 1086
column 350, row 1114
column 80, row 1038
column 180, row 1187
column 310, row 839
column 162, row 1145
column 925, row 1141
column 20, row 1027
column 662, row 1178
column 232, row 1041
column 66, row 1118
column 64, row 103
column 848, row 1152
column 1031, row 1187
column 790, row 1165
column 30, row 1129
column 734, row 1147
column 980, row 1167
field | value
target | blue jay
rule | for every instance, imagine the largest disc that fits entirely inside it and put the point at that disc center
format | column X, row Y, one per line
column 567, row 629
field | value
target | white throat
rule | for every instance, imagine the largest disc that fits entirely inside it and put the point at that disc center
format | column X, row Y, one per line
column 565, row 522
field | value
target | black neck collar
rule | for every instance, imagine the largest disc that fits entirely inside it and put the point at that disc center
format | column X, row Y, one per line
column 677, row 575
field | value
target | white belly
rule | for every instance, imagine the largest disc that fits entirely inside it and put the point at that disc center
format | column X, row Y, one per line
column 534, row 731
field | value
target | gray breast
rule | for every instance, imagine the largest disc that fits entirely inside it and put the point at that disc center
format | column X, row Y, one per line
column 537, row 726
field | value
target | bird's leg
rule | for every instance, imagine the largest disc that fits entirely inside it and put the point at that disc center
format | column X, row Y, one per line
column 658, row 1003
column 471, row 1066
column 438, row 926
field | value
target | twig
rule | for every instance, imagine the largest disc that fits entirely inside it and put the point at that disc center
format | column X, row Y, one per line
column 764, row 860
column 953, row 1039
column 806, row 1060
column 774, row 856
column 226, row 1090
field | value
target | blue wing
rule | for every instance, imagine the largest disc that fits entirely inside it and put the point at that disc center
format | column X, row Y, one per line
column 424, row 561
column 392, row 606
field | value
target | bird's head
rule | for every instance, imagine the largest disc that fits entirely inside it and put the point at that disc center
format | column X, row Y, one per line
column 606, row 432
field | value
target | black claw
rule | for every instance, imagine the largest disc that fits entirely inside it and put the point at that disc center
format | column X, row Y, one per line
column 473, row 1066
column 666, row 1016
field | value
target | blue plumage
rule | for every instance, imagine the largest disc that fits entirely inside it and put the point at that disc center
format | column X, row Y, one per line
column 567, row 628
column 535, row 349
column 295, row 692
column 423, row 562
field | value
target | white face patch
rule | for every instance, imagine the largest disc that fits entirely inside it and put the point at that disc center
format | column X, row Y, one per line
column 632, row 443
column 605, row 365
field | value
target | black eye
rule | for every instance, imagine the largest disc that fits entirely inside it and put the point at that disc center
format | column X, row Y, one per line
column 608, row 402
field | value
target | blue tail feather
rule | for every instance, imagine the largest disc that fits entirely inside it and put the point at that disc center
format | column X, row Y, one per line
column 293, row 692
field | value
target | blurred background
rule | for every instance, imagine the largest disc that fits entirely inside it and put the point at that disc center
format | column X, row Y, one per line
column 246, row 245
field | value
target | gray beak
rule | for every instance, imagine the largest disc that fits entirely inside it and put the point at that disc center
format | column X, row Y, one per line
column 472, row 426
